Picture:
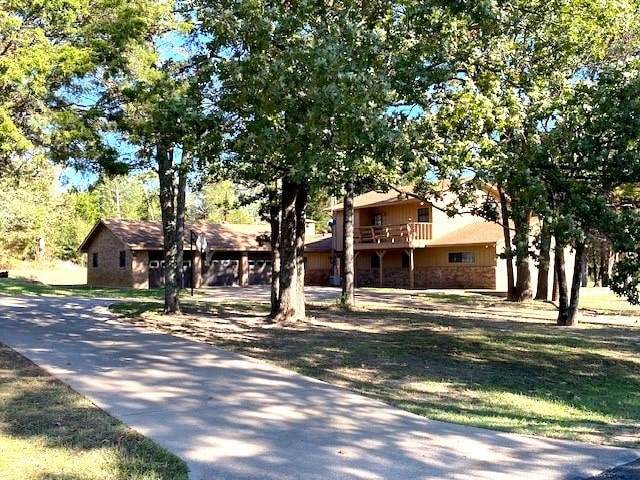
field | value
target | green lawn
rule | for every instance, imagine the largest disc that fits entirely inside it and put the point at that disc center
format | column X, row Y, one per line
column 21, row 286
column 512, row 372
column 47, row 431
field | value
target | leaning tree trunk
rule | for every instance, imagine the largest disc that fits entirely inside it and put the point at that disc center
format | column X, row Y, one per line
column 169, row 227
column 508, row 248
column 569, row 317
column 301, row 227
column 542, row 289
column 348, row 284
column 274, row 222
column 287, row 308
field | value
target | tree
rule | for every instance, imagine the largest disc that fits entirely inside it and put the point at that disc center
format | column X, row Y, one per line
column 141, row 108
column 483, row 122
column 304, row 97
column 593, row 153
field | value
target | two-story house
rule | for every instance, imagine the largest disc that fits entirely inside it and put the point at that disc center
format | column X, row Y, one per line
column 401, row 241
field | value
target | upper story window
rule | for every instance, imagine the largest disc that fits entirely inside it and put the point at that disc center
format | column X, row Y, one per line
column 462, row 257
column 424, row 215
column 377, row 219
column 94, row 259
column 123, row 259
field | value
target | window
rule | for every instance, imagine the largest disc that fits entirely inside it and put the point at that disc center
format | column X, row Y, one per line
column 377, row 219
column 123, row 259
column 462, row 257
column 375, row 260
column 423, row 215
column 94, row 259
column 406, row 260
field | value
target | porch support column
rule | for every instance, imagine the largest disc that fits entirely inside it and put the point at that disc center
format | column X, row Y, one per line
column 243, row 273
column 412, row 267
column 381, row 254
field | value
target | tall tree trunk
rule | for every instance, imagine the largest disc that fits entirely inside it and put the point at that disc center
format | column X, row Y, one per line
column 596, row 275
column 542, row 288
column 181, row 203
column 348, row 284
column 563, row 294
column 166, row 176
column 584, row 276
column 287, row 309
column 604, row 267
column 522, row 290
column 508, row 249
column 569, row 317
column 274, row 222
column 555, row 292
column 301, row 227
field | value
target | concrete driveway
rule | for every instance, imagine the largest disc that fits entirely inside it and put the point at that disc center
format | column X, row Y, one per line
column 231, row 417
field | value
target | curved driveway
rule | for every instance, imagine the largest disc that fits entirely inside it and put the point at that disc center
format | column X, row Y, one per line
column 233, row 418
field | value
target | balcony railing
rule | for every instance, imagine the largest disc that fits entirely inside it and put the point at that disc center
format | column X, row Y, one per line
column 402, row 235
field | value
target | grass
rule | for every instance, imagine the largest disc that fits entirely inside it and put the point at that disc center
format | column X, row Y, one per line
column 602, row 301
column 22, row 286
column 48, row 431
column 510, row 371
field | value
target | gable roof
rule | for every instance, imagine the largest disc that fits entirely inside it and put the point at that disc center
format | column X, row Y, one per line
column 477, row 233
column 147, row 235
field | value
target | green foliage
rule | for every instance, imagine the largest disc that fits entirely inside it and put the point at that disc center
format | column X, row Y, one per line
column 306, row 88
column 594, row 159
column 28, row 209
column 221, row 202
column 50, row 49
column 131, row 196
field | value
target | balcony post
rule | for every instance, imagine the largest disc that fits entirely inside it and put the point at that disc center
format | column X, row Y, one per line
column 412, row 267
column 381, row 254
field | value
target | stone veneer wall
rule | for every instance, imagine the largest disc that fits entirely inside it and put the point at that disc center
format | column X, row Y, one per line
column 108, row 273
column 431, row 277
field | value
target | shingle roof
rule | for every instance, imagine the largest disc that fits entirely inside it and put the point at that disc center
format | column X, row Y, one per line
column 376, row 198
column 477, row 233
column 319, row 243
column 147, row 235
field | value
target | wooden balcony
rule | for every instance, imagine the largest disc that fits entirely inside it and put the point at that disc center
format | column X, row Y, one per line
column 406, row 235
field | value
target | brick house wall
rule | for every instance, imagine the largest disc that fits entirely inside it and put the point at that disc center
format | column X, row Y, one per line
column 140, row 269
column 480, row 277
column 108, row 272
column 317, row 277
